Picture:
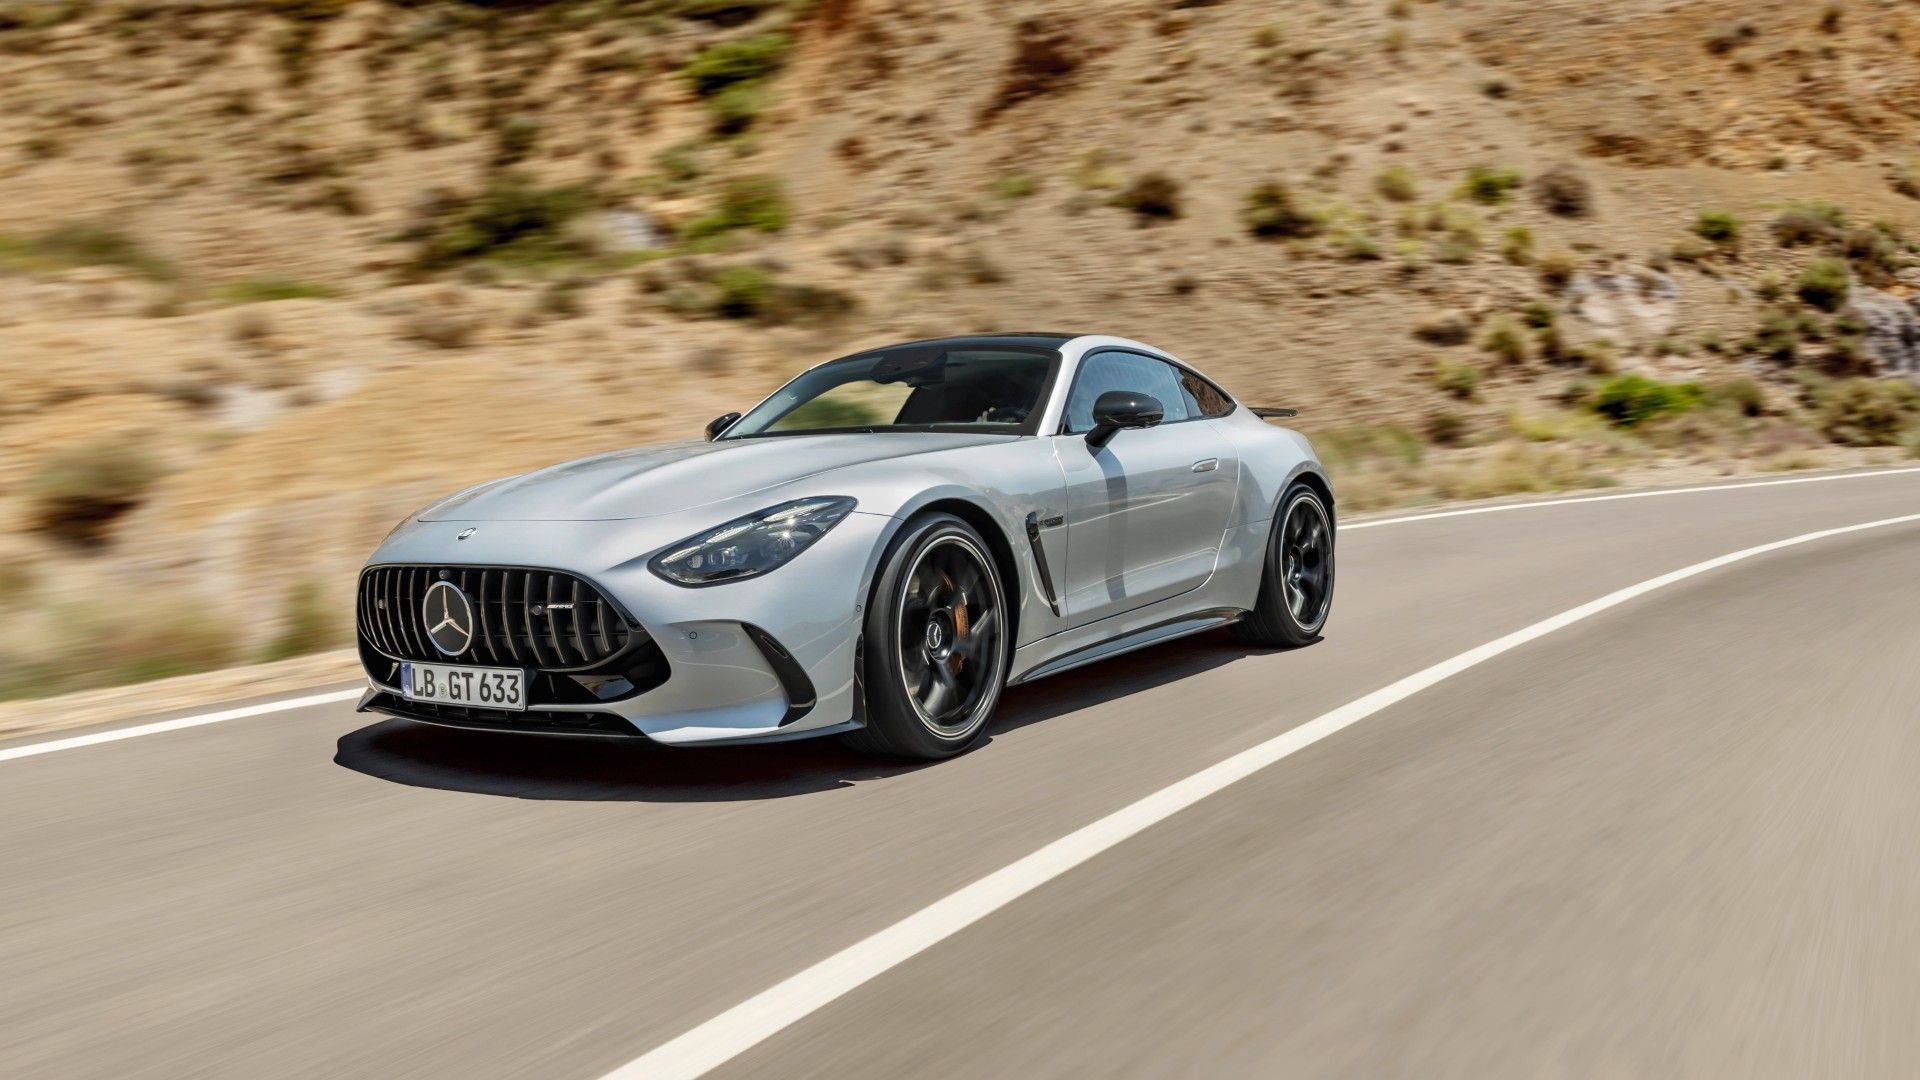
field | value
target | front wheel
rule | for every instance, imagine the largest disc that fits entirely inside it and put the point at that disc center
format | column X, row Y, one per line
column 936, row 643
column 1296, row 589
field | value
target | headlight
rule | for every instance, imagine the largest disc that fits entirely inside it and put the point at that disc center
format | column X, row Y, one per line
column 750, row 546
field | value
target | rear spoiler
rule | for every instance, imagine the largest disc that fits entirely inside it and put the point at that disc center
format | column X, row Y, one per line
column 1272, row 414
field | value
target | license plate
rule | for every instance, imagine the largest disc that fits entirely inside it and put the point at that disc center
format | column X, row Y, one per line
column 485, row 688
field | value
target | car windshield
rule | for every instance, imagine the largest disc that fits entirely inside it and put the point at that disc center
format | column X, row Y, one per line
column 937, row 387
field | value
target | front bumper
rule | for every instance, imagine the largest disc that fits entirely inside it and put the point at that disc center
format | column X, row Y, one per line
column 766, row 659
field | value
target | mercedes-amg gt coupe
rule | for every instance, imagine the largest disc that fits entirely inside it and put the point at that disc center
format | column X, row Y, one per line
column 876, row 552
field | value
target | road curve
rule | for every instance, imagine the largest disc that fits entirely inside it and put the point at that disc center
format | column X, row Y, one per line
column 1676, row 837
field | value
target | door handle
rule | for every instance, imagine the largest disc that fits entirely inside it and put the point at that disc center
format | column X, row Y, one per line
column 1206, row 464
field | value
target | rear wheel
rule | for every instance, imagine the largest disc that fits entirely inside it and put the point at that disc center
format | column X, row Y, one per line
column 936, row 643
column 1296, row 590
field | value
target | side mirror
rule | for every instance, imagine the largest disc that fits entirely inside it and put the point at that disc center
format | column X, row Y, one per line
column 719, row 424
column 1118, row 409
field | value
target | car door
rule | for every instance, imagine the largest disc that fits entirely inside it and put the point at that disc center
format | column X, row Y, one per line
column 1146, row 511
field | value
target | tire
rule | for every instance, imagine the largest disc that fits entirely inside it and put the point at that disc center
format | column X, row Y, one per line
column 936, row 645
column 1296, row 586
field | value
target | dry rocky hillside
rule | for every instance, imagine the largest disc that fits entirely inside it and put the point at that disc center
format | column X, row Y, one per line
column 272, row 272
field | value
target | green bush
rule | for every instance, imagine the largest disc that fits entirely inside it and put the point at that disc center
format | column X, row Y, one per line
column 1629, row 400
column 730, row 63
column 1397, row 184
column 1507, row 339
column 1488, row 185
column 1719, row 227
column 1868, row 412
column 82, row 243
column 1460, row 380
column 266, row 289
column 1826, row 284
column 77, row 493
column 511, row 220
column 753, row 203
column 1806, row 223
column 1269, row 212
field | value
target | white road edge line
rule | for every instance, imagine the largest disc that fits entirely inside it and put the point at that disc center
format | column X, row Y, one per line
column 751, row 1022
column 134, row 732
column 1496, row 508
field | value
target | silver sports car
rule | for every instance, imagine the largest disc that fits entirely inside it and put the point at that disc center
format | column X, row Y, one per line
column 875, row 551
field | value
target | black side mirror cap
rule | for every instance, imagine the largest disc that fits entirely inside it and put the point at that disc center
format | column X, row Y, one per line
column 719, row 424
column 1118, row 409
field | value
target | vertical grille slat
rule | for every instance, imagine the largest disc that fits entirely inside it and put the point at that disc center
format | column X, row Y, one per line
column 506, row 625
column 584, row 629
column 526, row 618
column 579, row 636
column 553, row 628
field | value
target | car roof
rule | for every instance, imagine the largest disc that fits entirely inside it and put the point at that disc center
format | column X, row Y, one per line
column 1039, row 339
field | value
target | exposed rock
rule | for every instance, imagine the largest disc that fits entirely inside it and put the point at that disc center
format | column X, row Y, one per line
column 1893, row 330
column 1629, row 306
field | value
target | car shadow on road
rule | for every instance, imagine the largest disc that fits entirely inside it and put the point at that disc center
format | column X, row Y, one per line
column 606, row 770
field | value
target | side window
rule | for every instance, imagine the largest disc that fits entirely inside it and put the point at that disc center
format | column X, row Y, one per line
column 1106, row 371
column 1203, row 398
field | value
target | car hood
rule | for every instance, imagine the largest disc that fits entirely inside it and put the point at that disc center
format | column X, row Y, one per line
column 651, row 481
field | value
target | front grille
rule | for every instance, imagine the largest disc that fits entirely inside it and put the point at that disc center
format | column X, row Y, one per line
column 524, row 617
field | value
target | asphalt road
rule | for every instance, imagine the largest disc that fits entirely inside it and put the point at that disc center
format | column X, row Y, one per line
column 1680, row 837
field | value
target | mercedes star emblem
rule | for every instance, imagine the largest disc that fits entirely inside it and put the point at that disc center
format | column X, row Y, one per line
column 449, row 618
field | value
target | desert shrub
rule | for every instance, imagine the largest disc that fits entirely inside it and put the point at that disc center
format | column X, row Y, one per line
column 1460, row 380
column 306, row 625
column 1825, row 285
column 1564, row 190
column 738, row 107
column 1809, row 223
column 511, row 220
column 1444, row 328
column 1515, row 468
column 753, row 293
column 1507, row 340
column 754, row 203
column 77, row 493
column 1270, row 212
column 1446, row 429
column 1599, row 356
column 153, row 636
column 730, row 63
column 514, row 138
column 1516, row 247
column 1739, row 394
column 1731, row 36
column 1868, row 412
column 1629, row 400
column 1348, row 447
column 266, row 289
column 745, row 292
column 1016, row 185
column 722, row 12
column 1718, row 227
column 82, row 243
column 1488, row 185
column 1539, row 314
column 1152, row 196
column 1396, row 184
column 1904, row 179
column 731, row 76
column 1557, row 268
column 440, row 329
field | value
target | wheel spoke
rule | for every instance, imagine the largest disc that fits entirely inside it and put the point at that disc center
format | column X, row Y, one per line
column 983, row 632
